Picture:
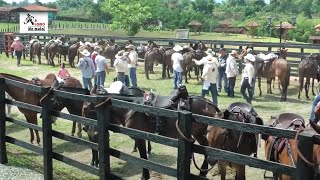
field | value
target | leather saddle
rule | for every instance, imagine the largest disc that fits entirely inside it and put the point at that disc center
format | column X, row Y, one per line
column 287, row 121
column 245, row 107
column 164, row 101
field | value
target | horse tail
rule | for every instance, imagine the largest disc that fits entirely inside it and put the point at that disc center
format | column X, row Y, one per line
column 287, row 79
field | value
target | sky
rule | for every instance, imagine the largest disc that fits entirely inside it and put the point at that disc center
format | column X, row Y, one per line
column 32, row 1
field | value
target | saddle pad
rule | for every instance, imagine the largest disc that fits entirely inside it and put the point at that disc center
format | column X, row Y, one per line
column 162, row 101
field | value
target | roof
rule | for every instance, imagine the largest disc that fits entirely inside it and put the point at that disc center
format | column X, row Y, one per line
column 226, row 22
column 230, row 29
column 314, row 37
column 317, row 27
column 253, row 24
column 34, row 8
column 6, row 9
column 194, row 23
column 285, row 25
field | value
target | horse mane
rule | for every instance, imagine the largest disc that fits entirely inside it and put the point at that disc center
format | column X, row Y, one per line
column 13, row 77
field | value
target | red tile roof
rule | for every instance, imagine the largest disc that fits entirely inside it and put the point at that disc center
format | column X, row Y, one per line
column 35, row 8
column 6, row 9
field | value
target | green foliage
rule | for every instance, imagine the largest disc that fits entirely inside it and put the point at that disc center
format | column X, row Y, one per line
column 129, row 16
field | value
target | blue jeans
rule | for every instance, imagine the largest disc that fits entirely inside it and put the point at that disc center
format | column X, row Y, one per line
column 101, row 77
column 177, row 79
column 244, row 86
column 214, row 93
column 253, row 85
column 133, row 76
column 18, row 54
column 222, row 74
column 126, row 80
column 231, row 84
column 87, row 84
column 312, row 113
column 121, row 77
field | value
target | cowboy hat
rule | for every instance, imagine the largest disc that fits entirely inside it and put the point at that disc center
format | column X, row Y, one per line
column 97, row 48
column 120, row 54
column 177, row 48
column 130, row 46
column 210, row 52
column 234, row 52
column 250, row 57
column 85, row 52
column 17, row 39
column 210, row 59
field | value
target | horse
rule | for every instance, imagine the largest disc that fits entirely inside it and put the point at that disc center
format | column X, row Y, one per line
column 110, row 50
column 35, row 49
column 276, row 67
column 53, row 47
column 26, row 96
column 72, row 53
column 188, row 64
column 153, row 56
column 233, row 140
column 283, row 150
column 167, row 63
column 308, row 68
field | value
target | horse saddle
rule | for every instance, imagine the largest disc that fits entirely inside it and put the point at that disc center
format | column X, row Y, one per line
column 164, row 101
column 245, row 107
column 286, row 121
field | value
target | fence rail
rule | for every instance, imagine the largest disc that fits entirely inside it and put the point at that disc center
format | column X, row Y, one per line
column 184, row 148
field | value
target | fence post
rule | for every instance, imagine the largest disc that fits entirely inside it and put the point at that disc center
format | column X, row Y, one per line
column 103, row 116
column 305, row 145
column 184, row 147
column 269, row 48
column 3, row 148
column 47, row 139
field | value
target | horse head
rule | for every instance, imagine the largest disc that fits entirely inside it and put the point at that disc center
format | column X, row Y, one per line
column 283, row 53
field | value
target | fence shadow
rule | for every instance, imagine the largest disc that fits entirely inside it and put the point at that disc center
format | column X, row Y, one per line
column 68, row 147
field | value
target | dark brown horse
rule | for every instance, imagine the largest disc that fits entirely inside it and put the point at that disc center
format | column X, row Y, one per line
column 55, row 46
column 188, row 64
column 72, row 53
column 308, row 68
column 35, row 50
column 154, row 56
column 110, row 50
column 29, row 97
column 167, row 63
column 232, row 140
column 277, row 67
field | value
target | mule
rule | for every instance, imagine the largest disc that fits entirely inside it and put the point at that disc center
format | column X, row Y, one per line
column 308, row 68
column 232, row 140
column 276, row 67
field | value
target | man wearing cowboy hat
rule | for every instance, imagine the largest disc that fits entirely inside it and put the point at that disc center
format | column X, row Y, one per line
column 132, row 64
column 177, row 59
column 232, row 72
column 18, row 48
column 209, row 75
column 121, row 66
column 102, row 68
column 87, row 69
column 247, row 78
column 222, row 69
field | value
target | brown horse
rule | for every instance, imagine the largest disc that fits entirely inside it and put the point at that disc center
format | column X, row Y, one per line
column 188, row 64
column 154, row 56
column 72, row 53
column 29, row 97
column 167, row 63
column 277, row 67
column 308, row 68
column 110, row 50
column 232, row 140
column 55, row 46
column 35, row 50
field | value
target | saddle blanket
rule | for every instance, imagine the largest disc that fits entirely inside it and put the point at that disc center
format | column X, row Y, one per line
column 268, row 56
column 116, row 87
column 60, row 80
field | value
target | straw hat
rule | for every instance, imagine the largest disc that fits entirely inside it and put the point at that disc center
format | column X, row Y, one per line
column 85, row 52
column 250, row 57
column 130, row 46
column 17, row 39
column 210, row 52
column 120, row 54
column 234, row 52
column 97, row 48
column 177, row 48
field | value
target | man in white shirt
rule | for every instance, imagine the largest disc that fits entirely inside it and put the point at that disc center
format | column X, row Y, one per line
column 121, row 66
column 177, row 59
column 102, row 68
column 247, row 78
column 209, row 75
column 232, row 72
column 132, row 64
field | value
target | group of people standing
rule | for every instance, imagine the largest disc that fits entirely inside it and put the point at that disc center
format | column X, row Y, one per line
column 95, row 66
column 223, row 67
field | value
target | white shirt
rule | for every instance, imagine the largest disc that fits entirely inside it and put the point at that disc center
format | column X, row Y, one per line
column 231, row 67
column 100, row 63
column 120, row 65
column 133, row 56
column 209, row 74
column 176, row 58
column 248, row 72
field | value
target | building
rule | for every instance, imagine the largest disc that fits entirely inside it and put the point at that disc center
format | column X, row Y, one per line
column 315, row 39
column 231, row 30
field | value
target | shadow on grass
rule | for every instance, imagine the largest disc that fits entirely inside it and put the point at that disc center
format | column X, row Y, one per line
column 14, row 128
column 68, row 147
column 127, row 169
column 274, row 98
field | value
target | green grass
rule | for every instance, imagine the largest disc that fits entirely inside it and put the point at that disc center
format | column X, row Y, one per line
column 266, row 106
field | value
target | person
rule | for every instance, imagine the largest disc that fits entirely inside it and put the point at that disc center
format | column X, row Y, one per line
column 126, row 74
column 247, row 78
column 177, row 59
column 93, row 57
column 87, row 69
column 63, row 73
column 102, row 68
column 132, row 64
column 18, row 48
column 120, row 66
column 313, row 116
column 250, row 51
column 209, row 75
column 222, row 69
column 232, row 72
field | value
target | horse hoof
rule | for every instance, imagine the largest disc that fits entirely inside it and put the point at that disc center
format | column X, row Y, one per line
column 148, row 155
column 134, row 150
column 79, row 135
column 203, row 174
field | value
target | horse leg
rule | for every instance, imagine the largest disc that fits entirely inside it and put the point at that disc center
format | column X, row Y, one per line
column 164, row 70
column 222, row 170
column 149, row 150
column 186, row 76
column 313, row 87
column 146, row 70
column 168, row 73
column 73, row 128
column 259, row 84
column 306, row 87
column 39, row 57
column 79, row 130
column 204, row 142
column 241, row 172
column 134, row 147
column 197, row 72
column 31, row 118
column 143, row 154
column 301, row 79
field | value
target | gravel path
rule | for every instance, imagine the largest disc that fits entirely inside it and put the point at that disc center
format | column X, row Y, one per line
column 16, row 173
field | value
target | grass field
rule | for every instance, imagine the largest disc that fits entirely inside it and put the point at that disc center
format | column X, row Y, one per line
column 265, row 106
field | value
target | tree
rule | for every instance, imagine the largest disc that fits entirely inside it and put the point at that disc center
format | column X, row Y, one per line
column 129, row 16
